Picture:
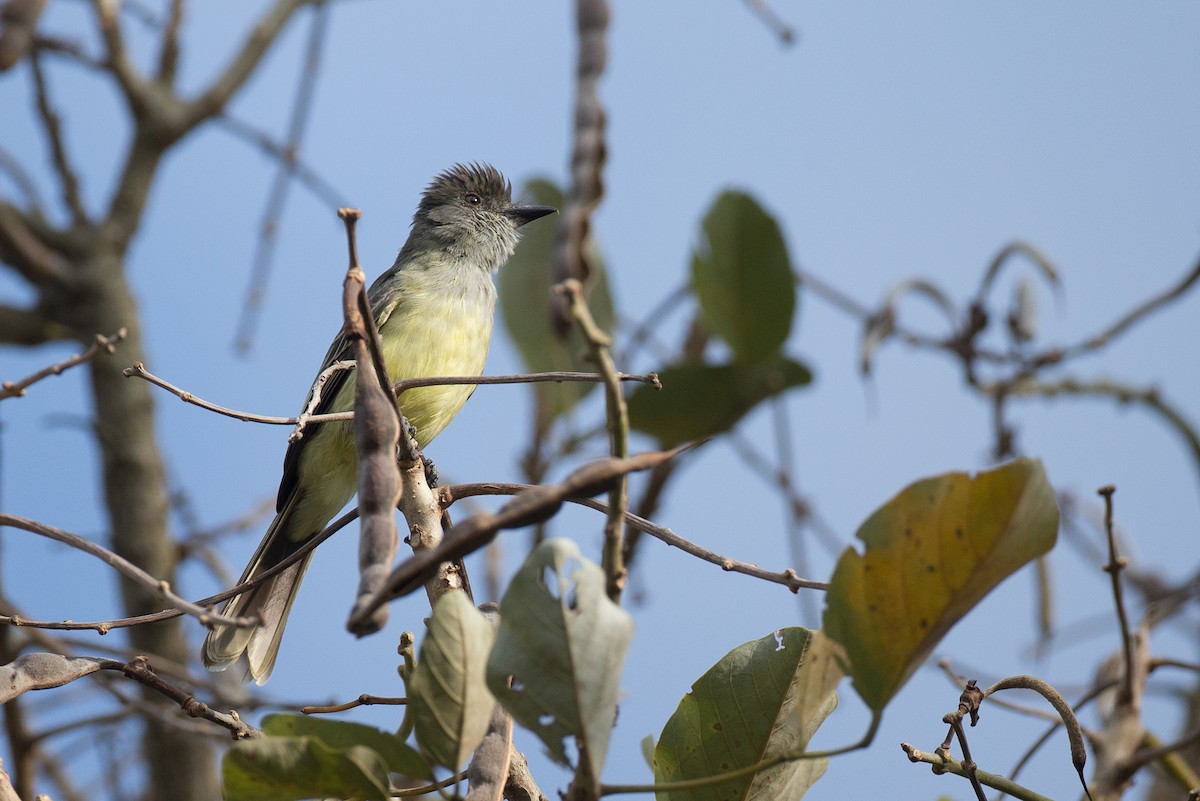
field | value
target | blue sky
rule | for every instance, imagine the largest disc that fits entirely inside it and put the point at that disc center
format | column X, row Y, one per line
column 891, row 141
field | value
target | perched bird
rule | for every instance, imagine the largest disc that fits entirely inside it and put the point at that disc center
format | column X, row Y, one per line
column 434, row 310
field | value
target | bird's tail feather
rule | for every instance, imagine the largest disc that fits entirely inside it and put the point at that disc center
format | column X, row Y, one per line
column 254, row 649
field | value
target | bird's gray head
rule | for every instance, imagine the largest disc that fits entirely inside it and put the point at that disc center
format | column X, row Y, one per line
column 467, row 212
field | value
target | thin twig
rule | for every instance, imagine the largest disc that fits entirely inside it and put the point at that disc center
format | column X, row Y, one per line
column 272, row 215
column 263, row 34
column 138, row 370
column 168, row 58
column 1136, row 315
column 947, row 764
column 20, row 176
column 773, row 21
column 102, row 344
column 140, row 671
column 308, row 177
column 1150, row 398
column 104, row 626
column 52, row 127
column 126, row 568
column 787, row 578
column 362, row 700
column 1114, row 567
column 116, row 58
column 617, row 420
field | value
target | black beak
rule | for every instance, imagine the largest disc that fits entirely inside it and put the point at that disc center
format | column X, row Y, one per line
column 527, row 214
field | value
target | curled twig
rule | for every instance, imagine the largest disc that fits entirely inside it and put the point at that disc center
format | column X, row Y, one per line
column 1070, row 722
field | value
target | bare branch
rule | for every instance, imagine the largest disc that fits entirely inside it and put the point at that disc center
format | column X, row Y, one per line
column 788, row 578
column 140, row 671
column 168, row 57
column 16, row 389
column 30, row 327
column 1006, row 254
column 133, row 85
column 773, row 21
column 16, row 170
column 588, row 154
column 264, row 253
column 1136, row 315
column 138, row 370
column 265, row 31
column 527, row 507
column 52, row 127
column 1149, row 398
column 617, row 422
column 362, row 700
column 126, row 568
column 18, row 28
column 322, row 189
column 21, row 247
column 1128, row 691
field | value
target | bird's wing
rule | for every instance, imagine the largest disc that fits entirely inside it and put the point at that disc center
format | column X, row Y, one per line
column 383, row 300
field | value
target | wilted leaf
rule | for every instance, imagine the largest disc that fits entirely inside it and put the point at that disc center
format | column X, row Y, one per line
column 563, row 642
column 42, row 671
column 448, row 694
column 932, row 553
column 700, row 400
column 761, row 700
column 742, row 277
column 524, row 287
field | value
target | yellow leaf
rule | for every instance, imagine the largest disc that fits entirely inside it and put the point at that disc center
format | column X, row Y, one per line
column 932, row 553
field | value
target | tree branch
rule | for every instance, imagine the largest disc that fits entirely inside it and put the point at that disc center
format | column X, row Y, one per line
column 22, row 248
column 30, row 327
column 273, row 210
column 213, row 100
column 52, row 128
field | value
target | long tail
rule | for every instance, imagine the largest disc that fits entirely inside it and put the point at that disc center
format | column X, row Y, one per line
column 254, row 650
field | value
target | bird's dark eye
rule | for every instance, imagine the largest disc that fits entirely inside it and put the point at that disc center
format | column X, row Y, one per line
column 473, row 199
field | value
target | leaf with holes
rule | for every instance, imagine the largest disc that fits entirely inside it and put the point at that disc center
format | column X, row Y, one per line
column 448, row 695
column 763, row 699
column 932, row 553
column 524, row 286
column 562, row 642
column 742, row 277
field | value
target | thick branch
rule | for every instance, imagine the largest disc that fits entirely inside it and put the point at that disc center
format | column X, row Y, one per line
column 29, row 327
column 22, row 248
column 213, row 100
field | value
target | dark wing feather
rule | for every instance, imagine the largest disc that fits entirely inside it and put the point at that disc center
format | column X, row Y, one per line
column 382, row 303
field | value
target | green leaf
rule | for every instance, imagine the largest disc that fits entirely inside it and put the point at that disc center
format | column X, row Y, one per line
column 289, row 768
column 448, row 695
column 701, row 400
column 932, row 553
column 399, row 758
column 742, row 277
column 562, row 642
column 761, row 700
column 524, row 286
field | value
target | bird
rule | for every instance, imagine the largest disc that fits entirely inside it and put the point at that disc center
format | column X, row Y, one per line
column 434, row 309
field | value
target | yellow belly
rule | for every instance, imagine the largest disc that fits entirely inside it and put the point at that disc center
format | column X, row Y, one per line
column 449, row 337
